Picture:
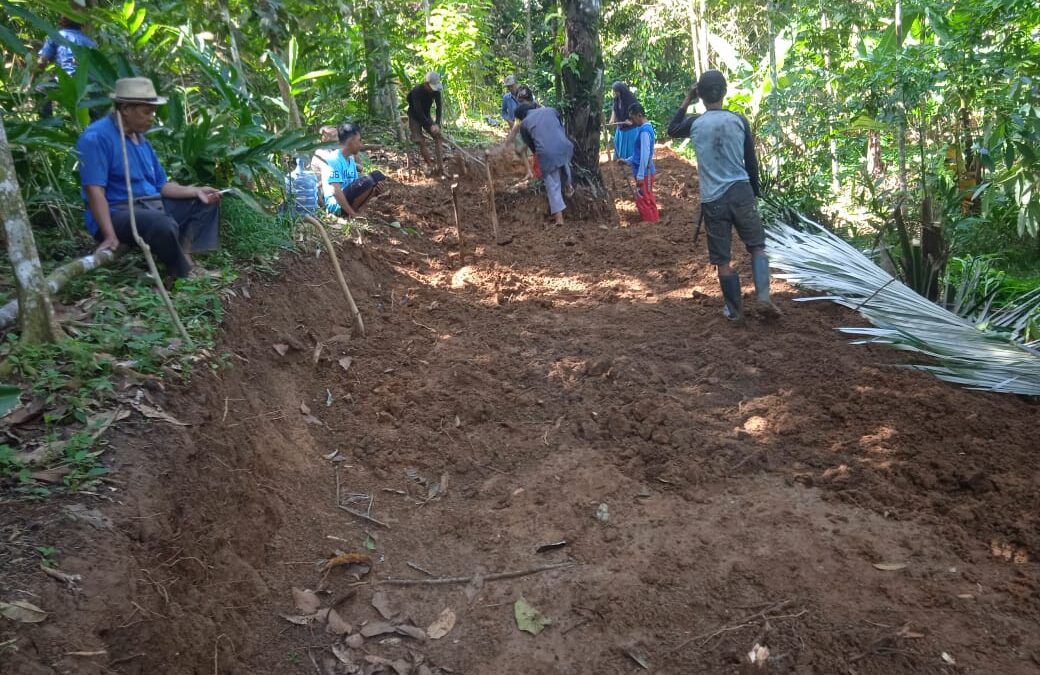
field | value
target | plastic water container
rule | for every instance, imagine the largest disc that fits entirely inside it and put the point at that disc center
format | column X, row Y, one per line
column 301, row 189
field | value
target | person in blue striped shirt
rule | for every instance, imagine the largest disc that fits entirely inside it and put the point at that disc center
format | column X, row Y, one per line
column 642, row 160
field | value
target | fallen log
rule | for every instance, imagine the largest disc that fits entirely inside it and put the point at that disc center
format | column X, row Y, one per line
column 58, row 279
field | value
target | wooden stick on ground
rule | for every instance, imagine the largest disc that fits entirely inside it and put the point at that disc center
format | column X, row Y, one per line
column 458, row 228
column 363, row 516
column 141, row 244
column 355, row 314
column 491, row 198
column 459, row 148
column 498, row 576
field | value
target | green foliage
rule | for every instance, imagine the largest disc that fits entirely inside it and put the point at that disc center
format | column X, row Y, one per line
column 48, row 555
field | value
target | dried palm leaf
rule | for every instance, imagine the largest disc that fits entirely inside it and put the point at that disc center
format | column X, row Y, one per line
column 966, row 353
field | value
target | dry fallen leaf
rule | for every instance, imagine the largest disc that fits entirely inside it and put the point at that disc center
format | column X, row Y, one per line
column 92, row 517
column 21, row 611
column 345, row 362
column 340, row 652
column 317, row 352
column 306, row 601
column 355, row 641
column 336, row 625
column 282, row 349
column 69, row 579
column 374, row 628
column 948, row 659
column 442, row 626
column 156, row 414
column 889, row 566
column 347, row 559
column 300, row 620
column 412, row 632
column 382, row 605
column 638, row 656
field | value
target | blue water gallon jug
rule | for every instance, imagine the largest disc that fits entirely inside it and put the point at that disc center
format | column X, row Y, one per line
column 301, row 186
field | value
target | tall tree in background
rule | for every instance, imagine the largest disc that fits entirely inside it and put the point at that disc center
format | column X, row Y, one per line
column 583, row 87
column 382, row 90
column 36, row 314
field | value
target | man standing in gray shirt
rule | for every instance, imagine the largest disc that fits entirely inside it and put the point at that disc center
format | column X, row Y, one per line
column 728, row 171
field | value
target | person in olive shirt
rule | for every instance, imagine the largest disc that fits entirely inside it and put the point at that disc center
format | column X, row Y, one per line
column 420, row 102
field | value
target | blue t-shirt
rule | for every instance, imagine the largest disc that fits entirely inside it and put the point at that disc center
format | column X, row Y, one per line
column 101, row 163
column 62, row 54
column 509, row 106
column 342, row 170
column 720, row 138
column 642, row 159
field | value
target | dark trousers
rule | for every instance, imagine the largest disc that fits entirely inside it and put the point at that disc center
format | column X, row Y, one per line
column 171, row 228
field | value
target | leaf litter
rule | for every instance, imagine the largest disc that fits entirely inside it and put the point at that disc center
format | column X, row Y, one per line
column 528, row 618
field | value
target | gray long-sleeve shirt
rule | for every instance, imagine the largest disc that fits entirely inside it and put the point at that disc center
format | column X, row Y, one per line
column 545, row 130
column 725, row 149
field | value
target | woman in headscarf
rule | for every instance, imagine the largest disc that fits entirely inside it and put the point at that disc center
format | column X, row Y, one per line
column 625, row 136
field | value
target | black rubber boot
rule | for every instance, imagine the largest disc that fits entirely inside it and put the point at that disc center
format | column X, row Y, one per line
column 730, row 285
column 760, row 271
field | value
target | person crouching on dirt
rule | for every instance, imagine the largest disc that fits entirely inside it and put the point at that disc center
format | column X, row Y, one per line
column 728, row 169
column 345, row 190
column 174, row 220
column 642, row 160
column 543, row 132
column 420, row 102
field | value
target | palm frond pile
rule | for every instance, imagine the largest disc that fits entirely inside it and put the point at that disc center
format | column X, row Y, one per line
column 986, row 351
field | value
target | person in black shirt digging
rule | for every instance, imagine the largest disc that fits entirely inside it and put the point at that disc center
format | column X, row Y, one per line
column 420, row 102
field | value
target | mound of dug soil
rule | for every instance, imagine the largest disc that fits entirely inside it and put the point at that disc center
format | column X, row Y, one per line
column 729, row 495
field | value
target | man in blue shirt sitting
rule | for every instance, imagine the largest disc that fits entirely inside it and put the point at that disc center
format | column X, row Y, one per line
column 174, row 220
column 345, row 190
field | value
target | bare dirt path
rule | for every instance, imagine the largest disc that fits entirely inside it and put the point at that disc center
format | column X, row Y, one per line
column 753, row 478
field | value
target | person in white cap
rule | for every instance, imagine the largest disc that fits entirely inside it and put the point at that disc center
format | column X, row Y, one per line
column 509, row 100
column 174, row 220
column 420, row 102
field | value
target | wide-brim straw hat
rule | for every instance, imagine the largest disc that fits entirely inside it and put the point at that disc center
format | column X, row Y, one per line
column 433, row 79
column 136, row 90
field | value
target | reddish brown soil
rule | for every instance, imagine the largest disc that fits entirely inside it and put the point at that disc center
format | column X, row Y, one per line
column 753, row 474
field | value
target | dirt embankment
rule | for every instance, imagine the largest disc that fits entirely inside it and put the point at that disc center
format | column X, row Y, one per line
column 766, row 484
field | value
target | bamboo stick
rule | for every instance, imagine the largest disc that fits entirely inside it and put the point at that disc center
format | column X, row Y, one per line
column 355, row 314
column 491, row 197
column 458, row 228
column 143, row 245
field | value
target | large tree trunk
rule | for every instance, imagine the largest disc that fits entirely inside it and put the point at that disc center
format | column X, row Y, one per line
column 36, row 314
column 901, row 114
column 382, row 91
column 702, row 34
column 528, row 41
column 691, row 12
column 584, row 89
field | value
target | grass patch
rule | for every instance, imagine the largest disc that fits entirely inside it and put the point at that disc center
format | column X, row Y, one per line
column 119, row 332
